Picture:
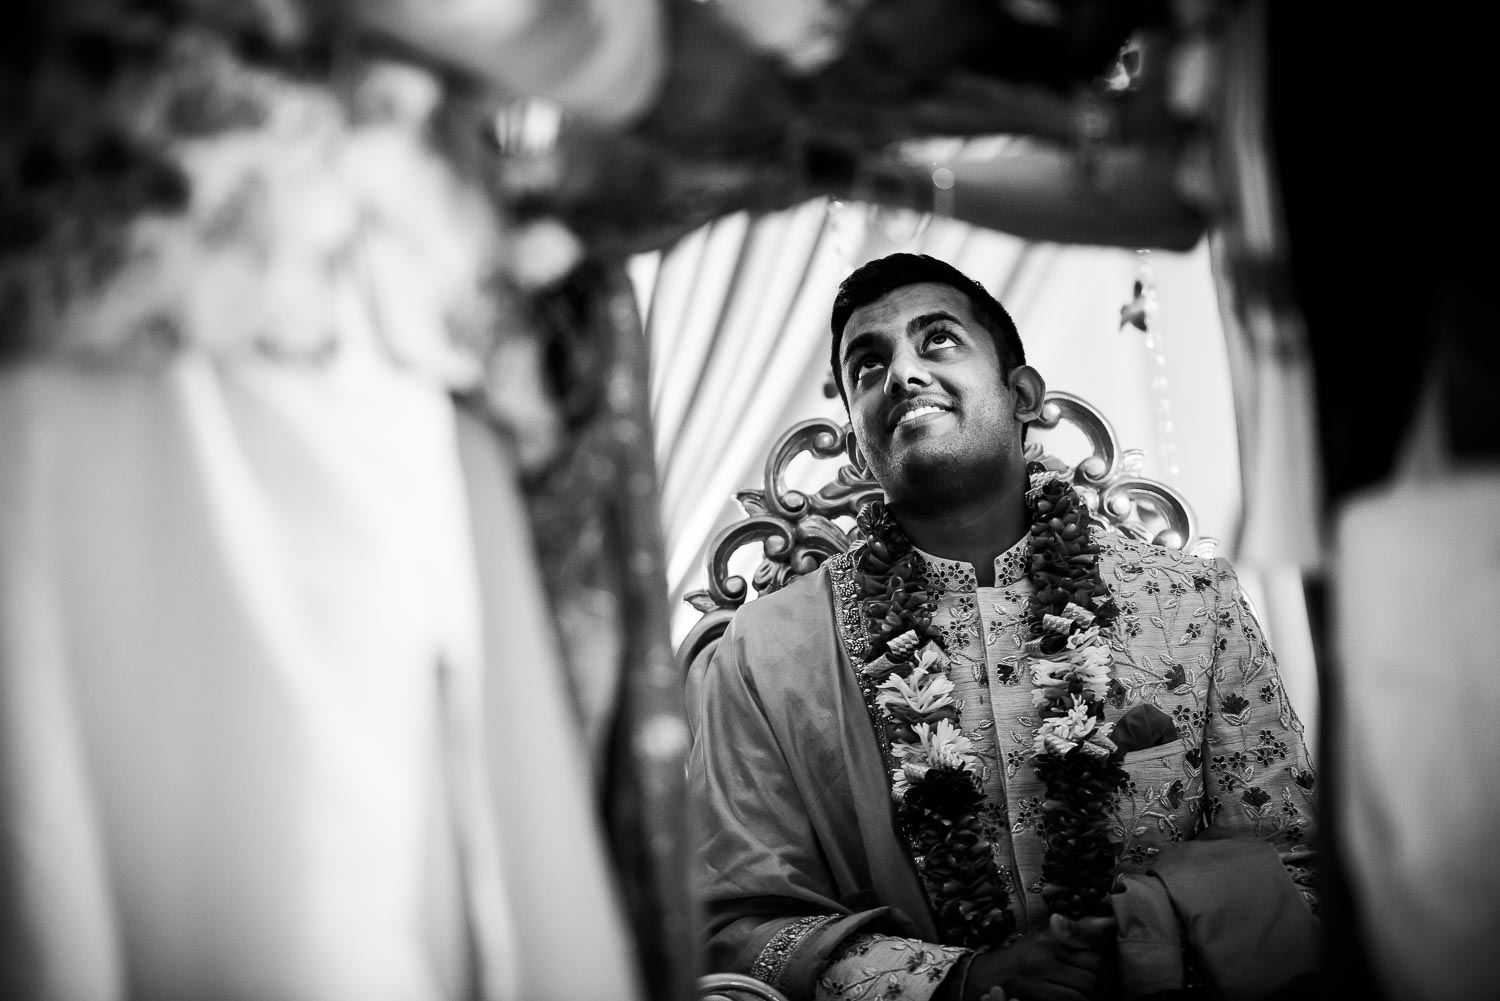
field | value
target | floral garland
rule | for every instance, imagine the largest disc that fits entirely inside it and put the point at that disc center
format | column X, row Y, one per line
column 938, row 779
column 1069, row 616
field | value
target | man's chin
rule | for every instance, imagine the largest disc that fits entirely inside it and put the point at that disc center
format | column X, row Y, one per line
column 921, row 479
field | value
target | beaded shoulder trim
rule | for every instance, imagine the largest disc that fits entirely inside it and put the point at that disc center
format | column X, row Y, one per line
column 771, row 964
column 852, row 632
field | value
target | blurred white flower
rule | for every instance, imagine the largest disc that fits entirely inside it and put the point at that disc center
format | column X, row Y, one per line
column 543, row 253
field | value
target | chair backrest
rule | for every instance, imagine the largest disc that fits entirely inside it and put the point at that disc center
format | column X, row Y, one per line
column 797, row 531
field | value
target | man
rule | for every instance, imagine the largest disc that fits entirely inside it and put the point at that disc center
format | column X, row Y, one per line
column 870, row 743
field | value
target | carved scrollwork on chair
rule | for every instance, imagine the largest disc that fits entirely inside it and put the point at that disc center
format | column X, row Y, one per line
column 1109, row 481
column 796, row 531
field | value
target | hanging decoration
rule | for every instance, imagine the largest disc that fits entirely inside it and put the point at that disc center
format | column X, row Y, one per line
column 1144, row 306
column 1136, row 312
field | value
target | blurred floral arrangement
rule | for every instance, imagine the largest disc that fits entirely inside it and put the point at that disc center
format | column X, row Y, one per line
column 220, row 176
column 204, row 173
column 266, row 180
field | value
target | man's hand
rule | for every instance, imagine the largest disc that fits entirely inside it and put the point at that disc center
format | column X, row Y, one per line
column 1066, row 961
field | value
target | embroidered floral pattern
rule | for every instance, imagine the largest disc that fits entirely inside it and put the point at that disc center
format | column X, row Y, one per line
column 883, row 968
column 1174, row 793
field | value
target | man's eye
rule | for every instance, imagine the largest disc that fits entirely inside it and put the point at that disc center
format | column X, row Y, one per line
column 866, row 365
column 941, row 339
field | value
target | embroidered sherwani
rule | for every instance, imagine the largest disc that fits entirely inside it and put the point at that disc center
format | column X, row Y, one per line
column 809, row 885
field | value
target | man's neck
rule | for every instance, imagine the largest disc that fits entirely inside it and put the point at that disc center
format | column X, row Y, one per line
column 976, row 532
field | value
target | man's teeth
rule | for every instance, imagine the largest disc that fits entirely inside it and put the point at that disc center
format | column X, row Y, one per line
column 916, row 412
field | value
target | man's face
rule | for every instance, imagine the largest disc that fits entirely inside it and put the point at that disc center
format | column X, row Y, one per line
column 930, row 411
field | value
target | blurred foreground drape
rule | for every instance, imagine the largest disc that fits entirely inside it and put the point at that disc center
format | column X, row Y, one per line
column 265, row 633
column 285, row 705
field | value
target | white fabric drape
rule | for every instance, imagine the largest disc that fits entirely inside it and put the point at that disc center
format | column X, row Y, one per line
column 280, row 698
column 1417, row 816
column 729, row 313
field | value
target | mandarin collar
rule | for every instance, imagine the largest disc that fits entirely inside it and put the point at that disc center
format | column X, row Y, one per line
column 953, row 577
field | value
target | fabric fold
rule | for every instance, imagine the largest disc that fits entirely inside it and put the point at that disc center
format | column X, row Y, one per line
column 1217, row 905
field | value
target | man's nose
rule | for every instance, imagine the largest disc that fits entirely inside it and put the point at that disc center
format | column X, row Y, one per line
column 906, row 374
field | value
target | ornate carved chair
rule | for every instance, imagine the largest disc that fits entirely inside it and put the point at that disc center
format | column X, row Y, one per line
column 797, row 531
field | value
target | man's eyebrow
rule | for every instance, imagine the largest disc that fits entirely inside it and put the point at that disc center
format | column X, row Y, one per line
column 927, row 319
column 856, row 343
column 916, row 323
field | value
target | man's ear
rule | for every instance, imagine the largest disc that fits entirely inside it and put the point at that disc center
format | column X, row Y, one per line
column 851, row 448
column 1029, row 391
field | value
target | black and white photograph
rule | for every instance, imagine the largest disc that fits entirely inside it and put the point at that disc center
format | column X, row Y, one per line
column 747, row 500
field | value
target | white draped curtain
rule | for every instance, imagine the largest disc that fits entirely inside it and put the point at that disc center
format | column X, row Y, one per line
column 737, row 322
column 262, row 634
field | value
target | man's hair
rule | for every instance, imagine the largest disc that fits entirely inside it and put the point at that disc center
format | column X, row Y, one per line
column 872, row 281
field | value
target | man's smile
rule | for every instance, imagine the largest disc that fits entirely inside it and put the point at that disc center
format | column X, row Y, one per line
column 909, row 413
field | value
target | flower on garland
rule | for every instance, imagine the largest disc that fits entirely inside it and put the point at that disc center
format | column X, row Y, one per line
column 1079, row 729
column 937, row 746
column 1085, row 672
column 919, row 698
column 544, row 252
